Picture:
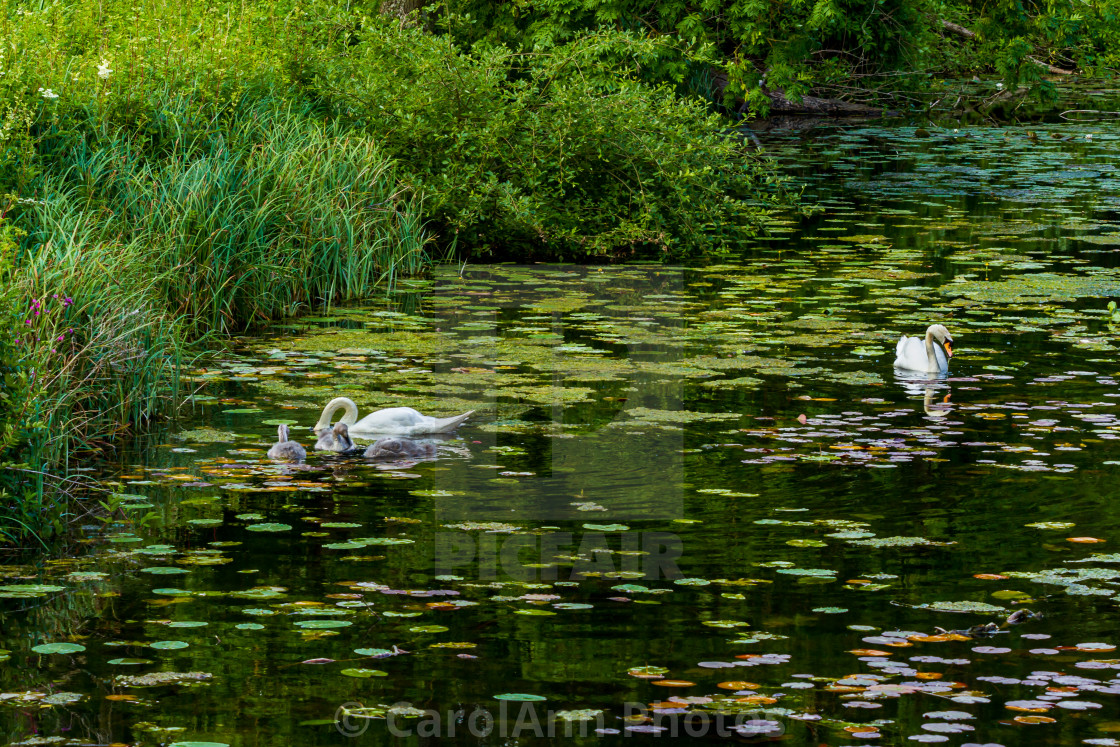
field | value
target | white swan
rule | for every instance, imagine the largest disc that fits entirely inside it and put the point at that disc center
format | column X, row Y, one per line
column 914, row 354
column 334, row 439
column 392, row 421
column 286, row 449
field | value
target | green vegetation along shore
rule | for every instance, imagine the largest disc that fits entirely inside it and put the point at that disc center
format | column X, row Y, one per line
column 174, row 172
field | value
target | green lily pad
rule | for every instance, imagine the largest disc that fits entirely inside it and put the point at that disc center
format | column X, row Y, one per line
column 58, row 648
column 26, row 591
column 363, row 673
column 963, row 607
column 163, row 570
column 378, row 652
column 322, row 624
column 520, row 697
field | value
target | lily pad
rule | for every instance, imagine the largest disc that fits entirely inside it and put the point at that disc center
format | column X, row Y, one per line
column 58, row 648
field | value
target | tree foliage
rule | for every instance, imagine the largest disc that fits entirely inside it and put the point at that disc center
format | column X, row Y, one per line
column 847, row 47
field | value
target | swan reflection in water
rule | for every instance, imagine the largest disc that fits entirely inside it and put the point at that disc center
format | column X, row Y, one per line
column 934, row 407
column 933, row 388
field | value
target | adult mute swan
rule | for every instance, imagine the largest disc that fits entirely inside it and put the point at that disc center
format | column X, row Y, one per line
column 286, row 449
column 392, row 421
column 334, row 439
column 914, row 354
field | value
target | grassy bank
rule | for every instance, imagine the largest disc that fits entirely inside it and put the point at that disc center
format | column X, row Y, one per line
column 134, row 248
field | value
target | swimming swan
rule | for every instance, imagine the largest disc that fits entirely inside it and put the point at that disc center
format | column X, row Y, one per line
column 394, row 421
column 400, row 448
column 286, row 449
column 334, row 439
column 911, row 353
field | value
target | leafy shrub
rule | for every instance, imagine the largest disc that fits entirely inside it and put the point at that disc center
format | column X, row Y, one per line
column 558, row 153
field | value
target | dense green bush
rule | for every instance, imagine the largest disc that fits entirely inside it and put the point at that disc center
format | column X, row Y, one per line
column 564, row 153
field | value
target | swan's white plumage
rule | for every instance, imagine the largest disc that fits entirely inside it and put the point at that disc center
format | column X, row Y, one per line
column 392, row 421
column 911, row 353
column 920, row 354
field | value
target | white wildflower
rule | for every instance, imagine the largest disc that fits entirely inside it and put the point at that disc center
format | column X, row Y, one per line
column 48, row 93
column 103, row 70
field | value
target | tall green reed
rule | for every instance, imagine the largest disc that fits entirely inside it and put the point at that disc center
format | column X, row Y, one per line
column 255, row 211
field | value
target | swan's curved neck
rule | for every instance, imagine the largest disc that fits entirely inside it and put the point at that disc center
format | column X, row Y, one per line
column 930, row 355
column 350, row 416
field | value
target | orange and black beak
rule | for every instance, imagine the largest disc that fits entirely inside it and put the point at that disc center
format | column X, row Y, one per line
column 949, row 348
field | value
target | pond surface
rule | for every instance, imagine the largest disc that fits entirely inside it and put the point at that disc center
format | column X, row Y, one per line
column 688, row 498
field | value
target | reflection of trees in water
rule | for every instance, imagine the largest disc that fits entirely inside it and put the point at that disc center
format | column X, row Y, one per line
column 55, row 618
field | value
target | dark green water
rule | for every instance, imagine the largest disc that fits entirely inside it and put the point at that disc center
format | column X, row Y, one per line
column 709, row 475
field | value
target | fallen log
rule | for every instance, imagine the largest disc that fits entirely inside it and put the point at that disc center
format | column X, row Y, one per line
column 782, row 104
column 1050, row 68
column 957, row 29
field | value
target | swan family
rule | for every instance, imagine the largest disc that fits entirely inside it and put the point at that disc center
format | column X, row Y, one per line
column 393, row 428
